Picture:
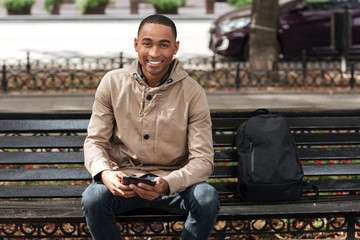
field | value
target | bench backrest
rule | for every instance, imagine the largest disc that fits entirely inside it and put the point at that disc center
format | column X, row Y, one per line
column 41, row 154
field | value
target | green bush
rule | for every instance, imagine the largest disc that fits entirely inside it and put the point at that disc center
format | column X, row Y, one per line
column 168, row 4
column 50, row 4
column 17, row 5
column 85, row 4
column 239, row 3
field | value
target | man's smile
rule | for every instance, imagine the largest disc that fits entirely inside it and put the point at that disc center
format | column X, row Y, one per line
column 154, row 62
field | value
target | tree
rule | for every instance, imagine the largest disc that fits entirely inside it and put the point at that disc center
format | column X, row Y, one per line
column 263, row 45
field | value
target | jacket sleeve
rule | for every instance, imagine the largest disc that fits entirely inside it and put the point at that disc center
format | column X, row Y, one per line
column 97, row 143
column 200, row 146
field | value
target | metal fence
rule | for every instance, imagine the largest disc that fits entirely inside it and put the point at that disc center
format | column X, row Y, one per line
column 84, row 74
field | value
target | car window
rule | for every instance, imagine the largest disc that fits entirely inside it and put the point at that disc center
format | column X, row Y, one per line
column 321, row 5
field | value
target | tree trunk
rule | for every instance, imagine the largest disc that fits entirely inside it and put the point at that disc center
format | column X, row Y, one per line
column 263, row 52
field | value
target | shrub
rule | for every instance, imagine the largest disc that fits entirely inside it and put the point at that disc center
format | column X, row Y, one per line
column 85, row 4
column 168, row 4
column 17, row 5
column 50, row 4
column 239, row 3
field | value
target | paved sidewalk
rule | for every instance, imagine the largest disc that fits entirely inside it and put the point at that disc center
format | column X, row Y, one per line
column 217, row 100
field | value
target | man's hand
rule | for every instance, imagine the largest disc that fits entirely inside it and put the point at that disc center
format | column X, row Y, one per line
column 112, row 179
column 151, row 192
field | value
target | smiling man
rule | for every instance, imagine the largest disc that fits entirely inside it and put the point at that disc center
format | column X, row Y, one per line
column 150, row 120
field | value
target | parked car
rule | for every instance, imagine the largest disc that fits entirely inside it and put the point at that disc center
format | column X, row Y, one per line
column 303, row 25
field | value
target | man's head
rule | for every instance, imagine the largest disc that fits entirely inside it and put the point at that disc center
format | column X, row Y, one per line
column 156, row 45
column 159, row 19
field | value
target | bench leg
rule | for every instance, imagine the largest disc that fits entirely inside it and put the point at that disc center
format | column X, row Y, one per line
column 351, row 227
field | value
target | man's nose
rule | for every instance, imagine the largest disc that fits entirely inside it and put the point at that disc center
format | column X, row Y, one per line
column 154, row 51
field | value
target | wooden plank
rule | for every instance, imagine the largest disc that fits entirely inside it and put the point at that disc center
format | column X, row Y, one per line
column 44, row 126
column 44, row 174
column 334, row 123
column 41, row 211
column 13, row 158
column 292, row 209
column 48, row 191
column 223, row 188
column 228, row 140
column 324, row 186
column 309, row 170
column 298, row 123
column 305, row 154
column 42, row 142
column 70, row 210
column 291, row 113
column 327, row 139
column 44, row 115
column 333, row 153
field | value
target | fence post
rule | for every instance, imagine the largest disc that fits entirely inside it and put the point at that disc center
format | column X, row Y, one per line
column 237, row 79
column 304, row 64
column 352, row 78
column 121, row 60
column 28, row 66
column 4, row 82
column 213, row 63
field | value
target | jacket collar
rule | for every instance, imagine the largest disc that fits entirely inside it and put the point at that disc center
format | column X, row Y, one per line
column 163, row 79
column 176, row 74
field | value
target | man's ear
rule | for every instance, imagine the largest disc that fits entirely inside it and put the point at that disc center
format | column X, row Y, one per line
column 177, row 44
column 136, row 44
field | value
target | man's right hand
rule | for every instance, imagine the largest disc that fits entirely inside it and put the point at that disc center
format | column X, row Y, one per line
column 112, row 179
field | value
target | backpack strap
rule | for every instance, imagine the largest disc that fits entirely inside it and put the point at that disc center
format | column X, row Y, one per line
column 314, row 188
column 260, row 111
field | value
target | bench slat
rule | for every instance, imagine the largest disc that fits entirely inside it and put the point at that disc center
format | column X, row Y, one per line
column 324, row 186
column 45, row 174
column 42, row 191
column 33, row 126
column 342, row 153
column 42, row 142
column 228, row 140
column 309, row 170
column 223, row 188
column 63, row 210
column 12, row 158
column 219, row 172
column 332, row 206
column 298, row 123
column 305, row 154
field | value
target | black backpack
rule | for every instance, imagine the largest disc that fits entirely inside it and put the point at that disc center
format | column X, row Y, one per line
column 268, row 167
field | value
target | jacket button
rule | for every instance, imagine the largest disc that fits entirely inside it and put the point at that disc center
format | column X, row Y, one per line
column 169, row 81
column 149, row 97
column 146, row 136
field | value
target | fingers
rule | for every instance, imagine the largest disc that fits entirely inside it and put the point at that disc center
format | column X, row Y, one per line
column 145, row 191
column 112, row 180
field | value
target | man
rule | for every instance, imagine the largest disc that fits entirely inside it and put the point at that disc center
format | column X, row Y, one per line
column 150, row 120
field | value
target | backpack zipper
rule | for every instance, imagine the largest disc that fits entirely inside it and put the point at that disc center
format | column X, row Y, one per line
column 252, row 158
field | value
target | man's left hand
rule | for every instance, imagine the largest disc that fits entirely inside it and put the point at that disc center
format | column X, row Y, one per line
column 151, row 192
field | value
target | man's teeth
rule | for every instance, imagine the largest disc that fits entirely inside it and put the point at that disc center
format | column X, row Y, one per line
column 155, row 62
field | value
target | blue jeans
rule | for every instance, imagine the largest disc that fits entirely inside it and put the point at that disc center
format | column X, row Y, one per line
column 199, row 202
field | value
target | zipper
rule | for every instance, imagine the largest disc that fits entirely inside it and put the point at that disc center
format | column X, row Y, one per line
column 252, row 158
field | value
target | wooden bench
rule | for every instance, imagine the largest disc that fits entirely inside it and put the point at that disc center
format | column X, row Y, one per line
column 42, row 178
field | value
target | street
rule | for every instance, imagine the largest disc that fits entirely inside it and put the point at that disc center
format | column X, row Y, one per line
column 48, row 39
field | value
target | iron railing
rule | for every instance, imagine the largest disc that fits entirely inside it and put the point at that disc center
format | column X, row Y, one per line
column 84, row 74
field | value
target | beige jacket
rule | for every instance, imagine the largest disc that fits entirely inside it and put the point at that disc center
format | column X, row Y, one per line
column 164, row 130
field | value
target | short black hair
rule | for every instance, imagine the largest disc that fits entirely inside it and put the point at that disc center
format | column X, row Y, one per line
column 158, row 19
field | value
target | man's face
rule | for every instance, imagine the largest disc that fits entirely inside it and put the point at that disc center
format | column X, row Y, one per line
column 155, row 45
